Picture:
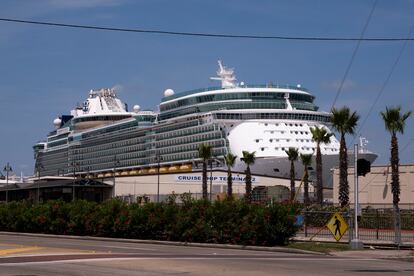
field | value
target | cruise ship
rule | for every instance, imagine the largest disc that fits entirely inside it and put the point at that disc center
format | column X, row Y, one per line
column 102, row 139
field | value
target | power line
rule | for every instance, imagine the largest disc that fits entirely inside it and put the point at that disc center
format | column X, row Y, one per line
column 351, row 61
column 385, row 82
column 213, row 35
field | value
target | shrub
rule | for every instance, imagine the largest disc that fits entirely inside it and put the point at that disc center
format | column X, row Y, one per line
column 229, row 221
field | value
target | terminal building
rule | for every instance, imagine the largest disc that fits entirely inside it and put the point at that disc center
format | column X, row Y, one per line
column 375, row 187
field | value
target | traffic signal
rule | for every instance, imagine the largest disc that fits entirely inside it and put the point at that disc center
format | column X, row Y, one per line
column 363, row 167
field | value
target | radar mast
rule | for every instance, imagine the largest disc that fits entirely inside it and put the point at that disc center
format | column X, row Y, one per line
column 226, row 76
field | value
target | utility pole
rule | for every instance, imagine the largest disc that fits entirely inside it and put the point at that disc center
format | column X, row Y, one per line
column 7, row 169
column 356, row 243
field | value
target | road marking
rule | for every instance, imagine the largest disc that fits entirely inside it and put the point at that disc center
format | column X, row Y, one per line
column 9, row 251
column 127, row 247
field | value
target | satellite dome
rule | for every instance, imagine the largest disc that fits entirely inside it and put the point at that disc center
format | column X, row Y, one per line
column 57, row 122
column 298, row 86
column 168, row 92
column 136, row 108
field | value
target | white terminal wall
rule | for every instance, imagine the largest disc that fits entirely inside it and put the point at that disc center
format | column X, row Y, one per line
column 169, row 183
column 375, row 187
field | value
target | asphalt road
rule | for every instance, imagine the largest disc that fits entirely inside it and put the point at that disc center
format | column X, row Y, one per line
column 21, row 255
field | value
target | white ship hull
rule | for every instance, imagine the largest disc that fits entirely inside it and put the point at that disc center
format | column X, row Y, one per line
column 280, row 166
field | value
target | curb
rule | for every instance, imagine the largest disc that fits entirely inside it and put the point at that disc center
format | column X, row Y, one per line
column 171, row 243
column 378, row 243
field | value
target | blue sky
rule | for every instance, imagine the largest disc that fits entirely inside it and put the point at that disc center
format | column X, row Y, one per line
column 46, row 71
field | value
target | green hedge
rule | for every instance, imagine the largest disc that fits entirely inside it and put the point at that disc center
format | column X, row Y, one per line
column 233, row 222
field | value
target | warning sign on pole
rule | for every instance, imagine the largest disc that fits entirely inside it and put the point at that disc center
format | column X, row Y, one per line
column 337, row 226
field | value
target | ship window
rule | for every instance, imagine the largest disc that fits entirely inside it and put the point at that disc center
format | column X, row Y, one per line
column 265, row 124
column 276, row 170
column 257, row 140
column 276, row 124
column 296, row 132
column 272, row 132
column 277, row 140
column 283, row 148
column 296, row 124
column 262, row 149
column 270, row 140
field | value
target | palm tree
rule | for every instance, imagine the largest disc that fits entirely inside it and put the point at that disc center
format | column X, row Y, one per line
column 230, row 160
column 306, row 161
column 205, row 153
column 292, row 154
column 248, row 158
column 320, row 136
column 394, row 122
column 344, row 122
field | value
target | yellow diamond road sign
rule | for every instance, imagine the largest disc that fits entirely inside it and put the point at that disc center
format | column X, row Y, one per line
column 337, row 226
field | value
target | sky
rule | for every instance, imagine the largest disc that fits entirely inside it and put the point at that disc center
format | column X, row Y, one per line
column 45, row 71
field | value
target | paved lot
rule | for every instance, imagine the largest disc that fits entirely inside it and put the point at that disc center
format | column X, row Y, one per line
column 20, row 255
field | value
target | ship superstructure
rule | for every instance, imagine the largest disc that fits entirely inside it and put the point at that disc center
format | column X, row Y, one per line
column 102, row 139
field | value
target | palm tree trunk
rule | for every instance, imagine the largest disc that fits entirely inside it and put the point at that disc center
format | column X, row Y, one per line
column 229, row 184
column 292, row 181
column 395, row 187
column 205, row 179
column 248, row 196
column 343, row 173
column 319, row 184
column 306, row 187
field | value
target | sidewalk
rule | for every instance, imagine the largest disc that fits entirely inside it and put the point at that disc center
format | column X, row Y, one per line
column 376, row 254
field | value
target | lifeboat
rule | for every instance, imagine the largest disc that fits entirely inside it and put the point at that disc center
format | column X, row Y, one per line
column 173, row 169
column 186, row 168
column 133, row 172
column 143, row 171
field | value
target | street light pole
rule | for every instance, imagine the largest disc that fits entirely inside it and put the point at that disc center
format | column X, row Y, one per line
column 211, row 178
column 116, row 162
column 74, row 178
column 158, row 159
column 7, row 169
column 39, row 167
